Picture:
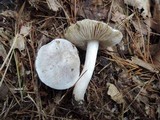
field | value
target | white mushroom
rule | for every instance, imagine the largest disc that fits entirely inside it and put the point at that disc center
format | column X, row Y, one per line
column 90, row 34
column 58, row 64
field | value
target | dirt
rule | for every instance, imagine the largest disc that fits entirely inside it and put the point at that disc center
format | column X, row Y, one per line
column 130, row 69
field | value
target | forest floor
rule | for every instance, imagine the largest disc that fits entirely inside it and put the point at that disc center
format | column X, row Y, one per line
column 126, row 81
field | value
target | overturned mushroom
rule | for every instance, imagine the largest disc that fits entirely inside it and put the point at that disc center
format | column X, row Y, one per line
column 90, row 34
column 58, row 64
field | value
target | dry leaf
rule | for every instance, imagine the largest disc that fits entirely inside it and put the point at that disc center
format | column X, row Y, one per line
column 20, row 43
column 138, row 43
column 114, row 93
column 144, row 64
column 92, row 9
column 25, row 30
column 140, row 27
column 141, row 5
column 9, row 13
column 118, row 17
column 53, row 4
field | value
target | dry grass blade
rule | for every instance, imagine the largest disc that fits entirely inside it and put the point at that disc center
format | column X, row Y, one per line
column 40, row 111
column 10, row 51
column 18, row 75
column 123, row 62
column 3, row 76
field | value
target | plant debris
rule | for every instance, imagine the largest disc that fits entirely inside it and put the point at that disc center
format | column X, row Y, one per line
column 126, row 80
column 114, row 93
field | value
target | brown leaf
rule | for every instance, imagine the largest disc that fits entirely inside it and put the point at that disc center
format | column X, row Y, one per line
column 114, row 93
column 118, row 17
column 144, row 64
column 140, row 5
column 140, row 26
column 25, row 29
column 53, row 4
column 19, row 43
column 91, row 9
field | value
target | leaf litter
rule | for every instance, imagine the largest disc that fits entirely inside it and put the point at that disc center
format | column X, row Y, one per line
column 126, row 82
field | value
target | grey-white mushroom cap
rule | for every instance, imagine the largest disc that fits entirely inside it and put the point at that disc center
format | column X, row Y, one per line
column 58, row 64
column 87, row 30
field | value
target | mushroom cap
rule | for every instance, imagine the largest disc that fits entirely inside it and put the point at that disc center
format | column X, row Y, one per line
column 86, row 30
column 58, row 64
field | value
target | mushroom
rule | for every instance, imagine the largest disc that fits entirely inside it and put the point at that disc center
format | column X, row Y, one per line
column 90, row 34
column 58, row 64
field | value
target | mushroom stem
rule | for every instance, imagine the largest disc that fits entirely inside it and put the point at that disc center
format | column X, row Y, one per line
column 87, row 72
